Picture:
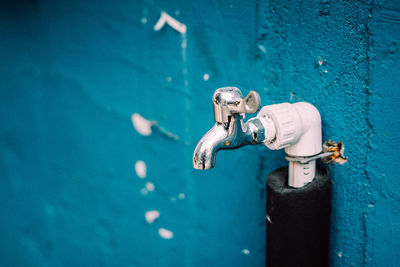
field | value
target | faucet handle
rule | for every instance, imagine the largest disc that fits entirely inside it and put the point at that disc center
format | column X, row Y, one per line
column 251, row 103
column 228, row 101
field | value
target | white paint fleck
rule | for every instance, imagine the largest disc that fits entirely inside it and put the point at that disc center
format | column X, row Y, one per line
column 169, row 79
column 206, row 76
column 142, row 125
column 141, row 169
column 173, row 23
column 151, row 216
column 166, row 234
column 326, row 71
column 181, row 196
column 340, row 254
column 144, row 191
column 246, row 251
column 150, row 186
column 262, row 48
column 320, row 62
column 167, row 133
column 184, row 45
column 143, row 20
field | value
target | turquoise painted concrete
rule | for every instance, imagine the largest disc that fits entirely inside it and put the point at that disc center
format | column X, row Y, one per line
column 73, row 72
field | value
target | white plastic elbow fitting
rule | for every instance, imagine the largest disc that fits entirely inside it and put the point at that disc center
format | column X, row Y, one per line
column 297, row 128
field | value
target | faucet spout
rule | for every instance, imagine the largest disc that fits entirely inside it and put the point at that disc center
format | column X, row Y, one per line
column 231, row 135
column 208, row 146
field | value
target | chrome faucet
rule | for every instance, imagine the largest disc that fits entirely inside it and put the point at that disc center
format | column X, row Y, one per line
column 229, row 131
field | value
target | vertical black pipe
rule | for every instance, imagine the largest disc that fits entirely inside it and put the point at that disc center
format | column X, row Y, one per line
column 298, row 221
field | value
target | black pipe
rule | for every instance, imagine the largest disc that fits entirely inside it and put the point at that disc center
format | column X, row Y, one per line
column 298, row 221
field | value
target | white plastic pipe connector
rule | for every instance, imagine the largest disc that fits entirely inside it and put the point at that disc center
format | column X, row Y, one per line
column 297, row 128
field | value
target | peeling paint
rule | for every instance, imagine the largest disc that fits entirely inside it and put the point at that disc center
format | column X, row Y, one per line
column 144, row 192
column 166, row 234
column 246, row 251
column 173, row 23
column 151, row 216
column 142, row 125
column 141, row 169
column 150, row 187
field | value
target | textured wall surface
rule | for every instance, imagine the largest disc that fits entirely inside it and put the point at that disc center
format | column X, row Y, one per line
column 342, row 56
column 72, row 73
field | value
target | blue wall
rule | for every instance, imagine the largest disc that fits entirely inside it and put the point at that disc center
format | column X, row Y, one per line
column 73, row 72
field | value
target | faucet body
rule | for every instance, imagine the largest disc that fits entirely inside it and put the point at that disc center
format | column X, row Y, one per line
column 229, row 130
column 294, row 127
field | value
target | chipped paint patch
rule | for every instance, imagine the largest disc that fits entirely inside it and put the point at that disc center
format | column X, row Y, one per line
column 144, row 192
column 173, row 23
column 206, row 76
column 246, row 251
column 167, row 133
column 151, row 216
column 141, row 125
column 262, row 48
column 144, row 127
column 141, row 169
column 184, row 45
column 166, row 234
column 340, row 254
column 150, row 186
column 320, row 62
column 143, row 20
column 181, row 196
